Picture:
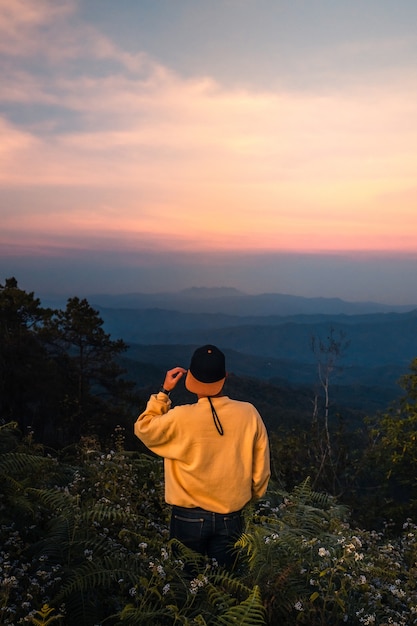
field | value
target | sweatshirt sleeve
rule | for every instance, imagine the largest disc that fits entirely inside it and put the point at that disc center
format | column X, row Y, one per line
column 151, row 427
column 261, row 463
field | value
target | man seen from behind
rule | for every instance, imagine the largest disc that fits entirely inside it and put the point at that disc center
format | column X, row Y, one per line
column 216, row 455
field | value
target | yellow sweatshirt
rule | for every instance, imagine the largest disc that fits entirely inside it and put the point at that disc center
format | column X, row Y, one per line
column 202, row 468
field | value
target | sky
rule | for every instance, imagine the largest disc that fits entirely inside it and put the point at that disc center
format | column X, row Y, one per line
column 156, row 145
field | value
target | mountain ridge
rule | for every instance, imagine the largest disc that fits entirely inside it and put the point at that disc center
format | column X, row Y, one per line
column 231, row 301
column 268, row 337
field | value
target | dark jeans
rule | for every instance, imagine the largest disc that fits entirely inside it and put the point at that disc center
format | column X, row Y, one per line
column 213, row 534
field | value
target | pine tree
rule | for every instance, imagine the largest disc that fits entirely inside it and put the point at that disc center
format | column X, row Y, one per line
column 25, row 370
column 98, row 398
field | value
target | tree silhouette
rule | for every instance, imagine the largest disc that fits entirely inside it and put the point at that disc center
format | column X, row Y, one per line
column 327, row 352
column 25, row 370
column 97, row 396
column 59, row 374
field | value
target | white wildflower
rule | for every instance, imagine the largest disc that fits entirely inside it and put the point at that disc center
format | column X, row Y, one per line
column 198, row 582
column 88, row 555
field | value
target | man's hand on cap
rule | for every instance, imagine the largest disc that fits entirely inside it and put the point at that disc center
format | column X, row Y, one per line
column 172, row 377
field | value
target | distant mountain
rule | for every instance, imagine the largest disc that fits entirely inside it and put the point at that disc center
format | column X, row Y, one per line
column 277, row 349
column 230, row 301
column 266, row 337
column 363, row 390
column 374, row 339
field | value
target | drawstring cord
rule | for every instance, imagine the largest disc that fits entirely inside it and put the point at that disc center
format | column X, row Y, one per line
column 216, row 420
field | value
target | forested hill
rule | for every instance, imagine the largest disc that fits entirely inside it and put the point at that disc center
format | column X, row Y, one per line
column 267, row 337
column 374, row 339
column 233, row 302
column 378, row 347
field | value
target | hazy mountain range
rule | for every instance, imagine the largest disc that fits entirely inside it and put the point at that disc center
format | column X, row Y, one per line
column 267, row 337
column 267, row 340
column 230, row 301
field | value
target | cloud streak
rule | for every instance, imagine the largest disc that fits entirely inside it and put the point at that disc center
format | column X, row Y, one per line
column 106, row 147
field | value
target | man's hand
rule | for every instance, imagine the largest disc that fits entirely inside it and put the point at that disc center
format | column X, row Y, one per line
column 172, row 377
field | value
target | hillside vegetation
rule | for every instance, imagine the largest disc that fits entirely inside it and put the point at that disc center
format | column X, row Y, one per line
column 83, row 524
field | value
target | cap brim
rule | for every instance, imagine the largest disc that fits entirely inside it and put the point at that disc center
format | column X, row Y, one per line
column 203, row 389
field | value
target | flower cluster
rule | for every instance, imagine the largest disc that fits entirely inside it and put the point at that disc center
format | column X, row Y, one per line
column 25, row 583
column 310, row 566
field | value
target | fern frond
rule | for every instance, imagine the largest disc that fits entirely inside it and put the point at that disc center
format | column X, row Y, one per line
column 218, row 598
column 10, row 483
column 199, row 621
column 100, row 573
column 105, row 513
column 53, row 499
column 45, row 616
column 193, row 560
column 253, row 544
column 8, row 426
column 18, row 505
column 229, row 581
column 9, row 434
column 303, row 494
column 148, row 615
column 65, row 540
column 250, row 612
column 23, row 464
column 84, row 610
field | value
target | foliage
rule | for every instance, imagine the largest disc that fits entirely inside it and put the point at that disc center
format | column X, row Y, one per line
column 84, row 531
column 92, row 546
column 392, row 455
column 96, row 393
column 59, row 371
column 45, row 616
column 314, row 569
column 25, row 371
column 97, row 548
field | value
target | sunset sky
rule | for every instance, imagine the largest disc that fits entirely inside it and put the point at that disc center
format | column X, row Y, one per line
column 154, row 145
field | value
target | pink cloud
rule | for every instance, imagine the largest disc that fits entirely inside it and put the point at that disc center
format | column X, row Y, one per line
column 229, row 168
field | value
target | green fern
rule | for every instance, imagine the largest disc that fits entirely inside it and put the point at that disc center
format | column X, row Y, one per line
column 278, row 546
column 199, row 621
column 100, row 573
column 219, row 599
column 19, row 471
column 9, row 435
column 151, row 615
column 24, row 464
column 193, row 561
column 250, row 612
column 45, row 616
column 105, row 513
column 231, row 582
column 53, row 499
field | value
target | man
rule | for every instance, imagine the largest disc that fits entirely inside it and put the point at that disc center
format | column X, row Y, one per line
column 216, row 455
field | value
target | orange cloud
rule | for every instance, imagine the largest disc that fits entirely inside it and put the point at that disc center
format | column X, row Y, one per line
column 152, row 153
